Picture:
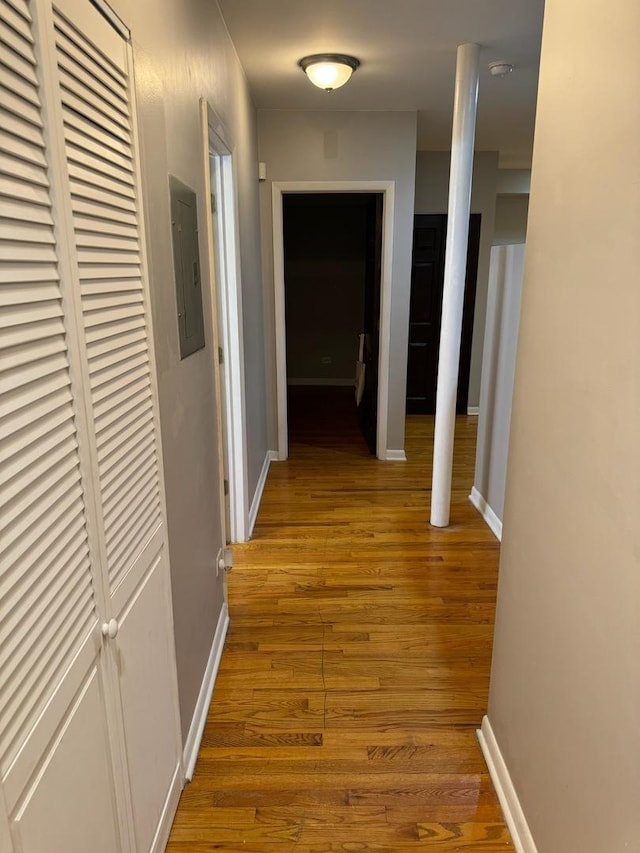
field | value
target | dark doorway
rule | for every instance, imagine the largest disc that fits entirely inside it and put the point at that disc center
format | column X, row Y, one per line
column 332, row 270
column 427, row 280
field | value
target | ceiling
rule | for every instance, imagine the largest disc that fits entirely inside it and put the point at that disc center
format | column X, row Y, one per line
column 408, row 53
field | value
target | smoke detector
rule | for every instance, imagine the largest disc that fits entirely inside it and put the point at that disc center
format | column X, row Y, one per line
column 500, row 69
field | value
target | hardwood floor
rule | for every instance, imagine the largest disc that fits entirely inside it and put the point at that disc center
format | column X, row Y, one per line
column 356, row 668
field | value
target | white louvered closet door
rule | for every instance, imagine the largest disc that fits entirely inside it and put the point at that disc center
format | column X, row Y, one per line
column 53, row 675
column 96, row 111
column 114, row 484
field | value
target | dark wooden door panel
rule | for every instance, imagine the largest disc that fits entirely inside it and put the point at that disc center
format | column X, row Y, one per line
column 427, row 280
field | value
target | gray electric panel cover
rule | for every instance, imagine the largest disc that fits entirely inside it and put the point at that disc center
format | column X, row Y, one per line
column 186, row 264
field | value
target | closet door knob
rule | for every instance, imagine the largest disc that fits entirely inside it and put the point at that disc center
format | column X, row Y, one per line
column 110, row 629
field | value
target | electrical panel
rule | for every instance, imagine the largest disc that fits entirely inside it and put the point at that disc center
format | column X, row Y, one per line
column 186, row 264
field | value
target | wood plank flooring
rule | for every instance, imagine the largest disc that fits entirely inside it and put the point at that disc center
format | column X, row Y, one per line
column 356, row 668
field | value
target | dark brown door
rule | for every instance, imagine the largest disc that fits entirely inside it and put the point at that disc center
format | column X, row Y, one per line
column 427, row 280
column 368, row 408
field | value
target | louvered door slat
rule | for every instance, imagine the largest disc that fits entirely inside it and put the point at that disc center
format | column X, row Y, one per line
column 22, row 8
column 55, row 433
column 102, row 226
column 101, row 303
column 18, row 19
column 84, row 97
column 40, row 252
column 22, row 562
column 96, row 141
column 13, row 103
column 22, row 428
column 103, row 196
column 26, row 232
column 18, row 85
column 28, row 172
column 132, row 393
column 50, row 664
column 101, row 241
column 36, row 600
column 130, row 418
column 21, row 149
column 130, row 360
column 91, row 160
column 37, row 486
column 104, row 352
column 34, row 194
column 17, row 64
column 46, row 583
column 18, row 210
column 98, row 148
column 31, row 372
column 72, row 63
column 66, row 32
column 27, row 133
column 131, row 405
column 68, row 550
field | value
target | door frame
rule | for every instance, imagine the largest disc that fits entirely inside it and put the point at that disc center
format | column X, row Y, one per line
column 278, row 189
column 223, row 245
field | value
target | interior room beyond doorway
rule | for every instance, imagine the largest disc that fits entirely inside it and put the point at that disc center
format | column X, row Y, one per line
column 332, row 263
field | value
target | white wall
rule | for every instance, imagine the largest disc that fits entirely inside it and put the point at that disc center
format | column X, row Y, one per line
column 432, row 196
column 498, row 368
column 340, row 146
column 182, row 51
column 565, row 687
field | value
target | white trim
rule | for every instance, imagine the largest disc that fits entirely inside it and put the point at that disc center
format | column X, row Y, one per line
column 167, row 815
column 196, row 729
column 116, row 22
column 387, row 188
column 270, row 456
column 227, row 301
column 473, row 410
column 395, row 456
column 487, row 513
column 342, row 383
column 511, row 808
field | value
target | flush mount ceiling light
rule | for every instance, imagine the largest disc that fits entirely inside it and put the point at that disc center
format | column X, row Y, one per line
column 500, row 69
column 329, row 71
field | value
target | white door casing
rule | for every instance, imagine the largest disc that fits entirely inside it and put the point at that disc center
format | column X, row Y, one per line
column 387, row 188
column 226, row 321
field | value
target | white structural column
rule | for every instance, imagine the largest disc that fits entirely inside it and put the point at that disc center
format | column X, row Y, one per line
column 455, row 265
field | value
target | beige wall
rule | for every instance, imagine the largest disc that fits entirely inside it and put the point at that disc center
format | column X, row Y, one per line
column 341, row 146
column 432, row 196
column 182, row 52
column 511, row 219
column 565, row 688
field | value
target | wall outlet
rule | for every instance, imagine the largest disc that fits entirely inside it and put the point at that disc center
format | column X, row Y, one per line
column 326, row 359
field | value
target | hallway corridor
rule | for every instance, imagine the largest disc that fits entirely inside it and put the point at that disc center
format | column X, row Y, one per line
column 356, row 667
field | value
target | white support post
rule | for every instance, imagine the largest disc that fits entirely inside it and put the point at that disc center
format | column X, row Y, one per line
column 455, row 265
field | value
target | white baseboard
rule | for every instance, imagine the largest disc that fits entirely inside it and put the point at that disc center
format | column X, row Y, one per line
column 473, row 410
column 196, row 730
column 395, row 456
column 323, row 381
column 270, row 456
column 159, row 843
column 487, row 513
column 512, row 810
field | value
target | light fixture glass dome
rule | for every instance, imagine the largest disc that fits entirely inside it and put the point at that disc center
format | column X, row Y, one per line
column 329, row 71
